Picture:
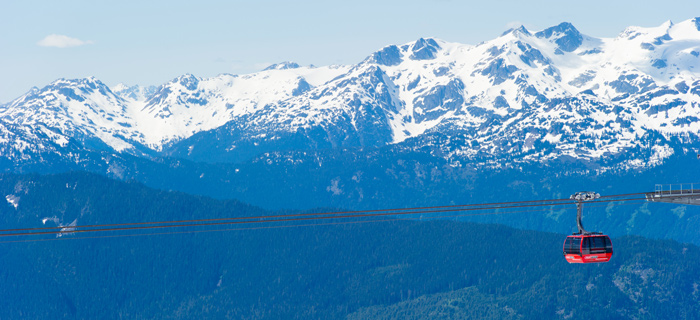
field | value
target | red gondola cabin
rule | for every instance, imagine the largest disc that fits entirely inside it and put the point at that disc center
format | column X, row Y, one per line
column 587, row 248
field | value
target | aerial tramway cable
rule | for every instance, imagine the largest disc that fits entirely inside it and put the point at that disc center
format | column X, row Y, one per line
column 290, row 225
column 496, row 207
column 398, row 210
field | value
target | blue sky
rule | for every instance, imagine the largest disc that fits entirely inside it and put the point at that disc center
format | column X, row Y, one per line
column 151, row 42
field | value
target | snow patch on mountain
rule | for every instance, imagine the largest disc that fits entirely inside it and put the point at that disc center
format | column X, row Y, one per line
column 136, row 92
column 68, row 229
column 13, row 200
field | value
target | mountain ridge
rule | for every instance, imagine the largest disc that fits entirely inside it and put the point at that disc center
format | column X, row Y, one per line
column 531, row 95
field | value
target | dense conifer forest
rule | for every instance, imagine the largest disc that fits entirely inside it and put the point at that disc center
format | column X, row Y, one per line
column 383, row 270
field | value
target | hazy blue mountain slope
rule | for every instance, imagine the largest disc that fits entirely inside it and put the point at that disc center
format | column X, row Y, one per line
column 393, row 178
column 323, row 272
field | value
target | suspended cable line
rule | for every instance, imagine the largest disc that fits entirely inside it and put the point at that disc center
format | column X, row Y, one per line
column 496, row 206
column 288, row 226
column 399, row 211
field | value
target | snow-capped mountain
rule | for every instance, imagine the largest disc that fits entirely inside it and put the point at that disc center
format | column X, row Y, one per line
column 524, row 96
column 66, row 114
column 128, row 119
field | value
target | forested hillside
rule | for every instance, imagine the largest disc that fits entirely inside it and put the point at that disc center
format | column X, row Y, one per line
column 381, row 270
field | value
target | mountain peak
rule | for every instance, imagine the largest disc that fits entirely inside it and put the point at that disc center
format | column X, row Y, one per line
column 564, row 35
column 188, row 81
column 283, row 66
column 90, row 81
column 517, row 31
column 388, row 56
column 424, row 49
column 87, row 85
column 697, row 23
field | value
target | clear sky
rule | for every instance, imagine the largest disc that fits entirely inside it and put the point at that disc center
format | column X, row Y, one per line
column 150, row 42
